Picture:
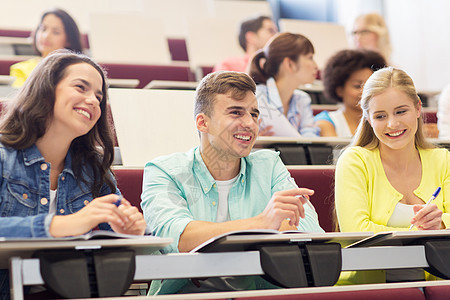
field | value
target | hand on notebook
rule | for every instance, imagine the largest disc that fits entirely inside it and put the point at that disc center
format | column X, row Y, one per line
column 122, row 219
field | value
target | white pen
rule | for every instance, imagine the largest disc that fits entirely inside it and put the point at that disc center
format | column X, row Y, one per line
column 435, row 194
column 292, row 182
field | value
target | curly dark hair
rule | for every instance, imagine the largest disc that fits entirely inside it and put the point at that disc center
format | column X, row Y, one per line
column 25, row 119
column 343, row 64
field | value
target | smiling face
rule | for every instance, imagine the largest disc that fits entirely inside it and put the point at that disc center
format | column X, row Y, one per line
column 230, row 132
column 77, row 101
column 51, row 35
column 394, row 119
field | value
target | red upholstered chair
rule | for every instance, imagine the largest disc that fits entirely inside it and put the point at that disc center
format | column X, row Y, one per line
column 385, row 294
column 129, row 182
column 205, row 70
column 5, row 64
column 321, row 180
column 437, row 292
column 15, row 33
column 177, row 48
column 429, row 117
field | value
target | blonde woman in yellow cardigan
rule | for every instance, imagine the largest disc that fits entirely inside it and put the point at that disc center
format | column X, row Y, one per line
column 385, row 177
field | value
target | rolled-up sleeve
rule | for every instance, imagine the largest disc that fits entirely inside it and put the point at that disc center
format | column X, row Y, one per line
column 164, row 205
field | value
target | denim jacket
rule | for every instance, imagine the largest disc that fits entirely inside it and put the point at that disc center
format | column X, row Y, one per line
column 25, row 195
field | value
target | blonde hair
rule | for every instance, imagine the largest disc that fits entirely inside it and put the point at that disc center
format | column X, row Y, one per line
column 378, row 83
column 375, row 23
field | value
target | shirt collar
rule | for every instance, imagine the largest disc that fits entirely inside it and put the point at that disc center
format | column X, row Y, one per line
column 32, row 155
column 204, row 176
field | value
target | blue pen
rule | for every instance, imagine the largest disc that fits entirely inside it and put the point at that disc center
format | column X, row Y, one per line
column 435, row 194
column 117, row 203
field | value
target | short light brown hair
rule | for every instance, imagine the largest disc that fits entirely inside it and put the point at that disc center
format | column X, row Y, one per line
column 237, row 84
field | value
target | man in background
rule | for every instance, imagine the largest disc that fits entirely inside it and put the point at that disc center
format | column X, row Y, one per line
column 253, row 35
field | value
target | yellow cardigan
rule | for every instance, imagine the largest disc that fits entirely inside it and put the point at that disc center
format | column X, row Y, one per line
column 22, row 70
column 365, row 200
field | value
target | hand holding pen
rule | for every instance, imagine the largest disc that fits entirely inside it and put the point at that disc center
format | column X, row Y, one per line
column 119, row 201
column 285, row 205
column 294, row 185
column 436, row 213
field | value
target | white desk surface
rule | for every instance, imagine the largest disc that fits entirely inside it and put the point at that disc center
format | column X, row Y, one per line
column 6, row 80
column 333, row 141
column 401, row 237
column 171, row 85
column 123, row 83
column 26, row 247
column 120, row 62
column 198, row 265
column 16, row 57
column 268, row 140
column 15, row 40
column 298, row 291
column 241, row 240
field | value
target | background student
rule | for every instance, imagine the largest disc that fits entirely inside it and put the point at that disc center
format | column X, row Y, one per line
column 384, row 179
column 220, row 186
column 57, row 30
column 285, row 63
column 55, row 157
column 344, row 76
column 253, row 35
column 370, row 32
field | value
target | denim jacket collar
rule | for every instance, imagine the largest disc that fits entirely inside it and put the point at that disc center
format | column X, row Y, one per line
column 32, row 155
